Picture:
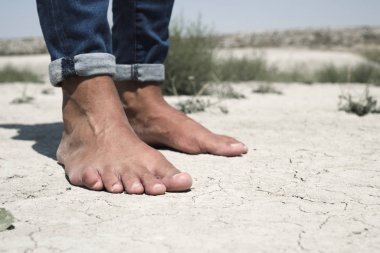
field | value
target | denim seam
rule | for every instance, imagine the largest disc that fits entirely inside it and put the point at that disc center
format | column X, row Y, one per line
column 140, row 72
column 68, row 67
column 138, row 47
column 58, row 34
column 134, row 76
column 135, row 26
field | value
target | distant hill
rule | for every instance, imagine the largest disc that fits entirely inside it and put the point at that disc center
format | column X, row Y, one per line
column 305, row 38
column 23, row 46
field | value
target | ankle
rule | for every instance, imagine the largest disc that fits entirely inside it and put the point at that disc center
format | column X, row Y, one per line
column 137, row 94
column 95, row 98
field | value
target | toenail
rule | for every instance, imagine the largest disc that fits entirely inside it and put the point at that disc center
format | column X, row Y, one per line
column 183, row 178
column 116, row 187
column 135, row 186
column 237, row 145
column 176, row 175
column 98, row 185
column 158, row 187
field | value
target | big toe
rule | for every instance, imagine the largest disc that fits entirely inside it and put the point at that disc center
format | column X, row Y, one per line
column 224, row 146
column 91, row 179
column 181, row 181
column 235, row 149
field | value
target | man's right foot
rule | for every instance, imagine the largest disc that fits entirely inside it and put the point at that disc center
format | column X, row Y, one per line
column 99, row 150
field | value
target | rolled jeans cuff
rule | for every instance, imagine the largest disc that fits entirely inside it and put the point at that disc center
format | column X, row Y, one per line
column 140, row 72
column 81, row 65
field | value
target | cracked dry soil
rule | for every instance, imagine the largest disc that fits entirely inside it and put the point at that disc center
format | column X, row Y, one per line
column 311, row 182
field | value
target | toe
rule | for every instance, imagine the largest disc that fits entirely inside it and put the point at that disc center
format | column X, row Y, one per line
column 132, row 184
column 173, row 179
column 238, row 147
column 178, row 182
column 111, row 182
column 74, row 177
column 232, row 149
column 88, row 178
column 91, row 179
column 152, row 185
column 226, row 146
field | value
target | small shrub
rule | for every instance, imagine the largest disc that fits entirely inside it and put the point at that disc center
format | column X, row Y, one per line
column 10, row 74
column 267, row 88
column 362, row 106
column 48, row 91
column 224, row 90
column 224, row 109
column 190, row 61
column 22, row 100
column 193, row 105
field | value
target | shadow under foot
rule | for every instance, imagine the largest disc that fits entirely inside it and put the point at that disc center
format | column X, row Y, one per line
column 46, row 136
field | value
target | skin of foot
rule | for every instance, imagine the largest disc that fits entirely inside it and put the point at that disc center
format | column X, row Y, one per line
column 159, row 124
column 99, row 149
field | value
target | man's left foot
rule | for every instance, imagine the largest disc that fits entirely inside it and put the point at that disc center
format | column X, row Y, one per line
column 159, row 124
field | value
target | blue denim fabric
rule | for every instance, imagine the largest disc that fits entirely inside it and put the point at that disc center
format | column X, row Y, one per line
column 72, row 27
column 140, row 30
column 80, row 42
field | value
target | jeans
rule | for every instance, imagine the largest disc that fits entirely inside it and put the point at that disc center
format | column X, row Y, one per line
column 80, row 41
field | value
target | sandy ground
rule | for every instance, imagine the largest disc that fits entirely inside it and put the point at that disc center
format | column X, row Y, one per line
column 310, row 183
column 36, row 63
column 290, row 58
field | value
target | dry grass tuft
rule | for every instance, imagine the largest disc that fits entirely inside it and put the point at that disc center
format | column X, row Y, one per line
column 361, row 106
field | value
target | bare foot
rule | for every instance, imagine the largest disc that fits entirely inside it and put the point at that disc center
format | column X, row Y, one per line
column 100, row 150
column 159, row 124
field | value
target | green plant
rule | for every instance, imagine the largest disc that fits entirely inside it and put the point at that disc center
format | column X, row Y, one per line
column 191, row 66
column 10, row 74
column 371, row 53
column 365, row 73
column 361, row 106
column 6, row 219
column 332, row 74
column 238, row 70
column 295, row 75
column 361, row 73
column 190, row 61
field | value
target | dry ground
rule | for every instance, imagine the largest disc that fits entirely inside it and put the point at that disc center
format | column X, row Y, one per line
column 310, row 183
column 288, row 59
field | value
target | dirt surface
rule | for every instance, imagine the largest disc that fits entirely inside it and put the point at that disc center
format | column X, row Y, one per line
column 311, row 182
column 288, row 59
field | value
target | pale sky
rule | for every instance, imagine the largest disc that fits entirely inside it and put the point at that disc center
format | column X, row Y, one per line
column 18, row 18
